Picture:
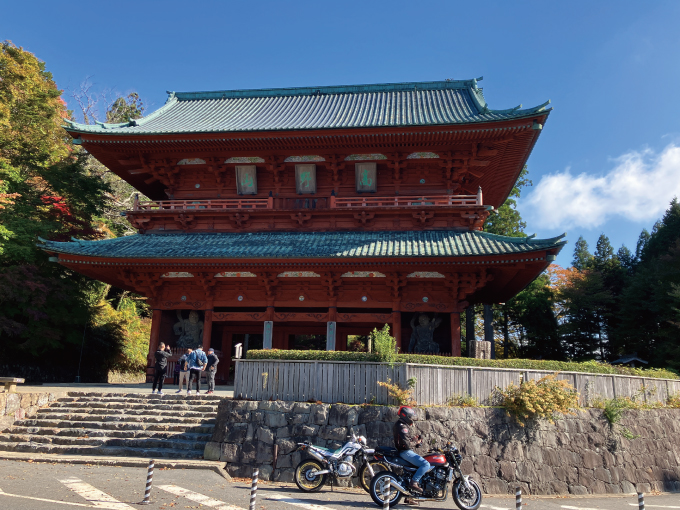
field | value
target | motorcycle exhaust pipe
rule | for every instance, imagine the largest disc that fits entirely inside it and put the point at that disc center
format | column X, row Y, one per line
column 319, row 473
column 396, row 485
column 317, row 456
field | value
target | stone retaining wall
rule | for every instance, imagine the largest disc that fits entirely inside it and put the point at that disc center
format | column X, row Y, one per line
column 17, row 406
column 579, row 454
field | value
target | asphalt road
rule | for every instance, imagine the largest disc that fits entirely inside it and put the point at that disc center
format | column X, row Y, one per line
column 47, row 486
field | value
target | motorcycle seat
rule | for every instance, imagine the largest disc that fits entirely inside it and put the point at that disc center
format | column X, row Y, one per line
column 387, row 450
column 328, row 450
column 403, row 463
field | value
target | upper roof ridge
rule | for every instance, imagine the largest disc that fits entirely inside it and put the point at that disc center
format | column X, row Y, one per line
column 326, row 89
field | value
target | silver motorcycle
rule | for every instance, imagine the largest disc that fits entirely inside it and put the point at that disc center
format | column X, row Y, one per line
column 353, row 458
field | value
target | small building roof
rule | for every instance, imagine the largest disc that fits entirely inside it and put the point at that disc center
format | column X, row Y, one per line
column 317, row 245
column 628, row 358
column 353, row 106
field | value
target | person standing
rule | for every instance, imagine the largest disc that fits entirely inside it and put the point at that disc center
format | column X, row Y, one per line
column 211, row 368
column 161, row 356
column 183, row 365
column 197, row 362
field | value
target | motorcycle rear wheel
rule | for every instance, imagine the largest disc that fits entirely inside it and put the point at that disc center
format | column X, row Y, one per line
column 365, row 474
column 466, row 498
column 304, row 478
column 378, row 483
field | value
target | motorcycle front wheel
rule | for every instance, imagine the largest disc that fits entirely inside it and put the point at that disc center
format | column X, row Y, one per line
column 365, row 474
column 378, row 489
column 467, row 498
column 305, row 478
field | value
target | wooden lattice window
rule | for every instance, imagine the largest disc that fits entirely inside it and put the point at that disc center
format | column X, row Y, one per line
column 246, row 179
column 305, row 179
column 365, row 174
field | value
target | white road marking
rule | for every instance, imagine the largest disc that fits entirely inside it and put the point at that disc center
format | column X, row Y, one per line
column 3, row 493
column 98, row 498
column 198, row 498
column 654, row 506
column 494, row 507
column 296, row 502
column 579, row 508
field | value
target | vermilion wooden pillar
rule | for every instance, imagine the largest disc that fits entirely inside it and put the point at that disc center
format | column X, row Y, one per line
column 396, row 329
column 225, row 362
column 455, row 334
column 207, row 330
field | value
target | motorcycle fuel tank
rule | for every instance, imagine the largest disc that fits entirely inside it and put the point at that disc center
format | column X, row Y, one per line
column 436, row 459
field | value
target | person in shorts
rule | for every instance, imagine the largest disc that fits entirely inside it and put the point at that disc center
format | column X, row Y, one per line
column 183, row 366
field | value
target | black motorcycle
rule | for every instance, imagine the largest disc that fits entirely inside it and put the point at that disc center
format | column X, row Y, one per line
column 435, row 484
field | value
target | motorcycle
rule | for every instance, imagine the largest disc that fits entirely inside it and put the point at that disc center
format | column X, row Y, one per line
column 312, row 474
column 435, row 483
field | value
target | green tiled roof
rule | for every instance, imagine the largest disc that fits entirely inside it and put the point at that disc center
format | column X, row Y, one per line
column 281, row 245
column 354, row 106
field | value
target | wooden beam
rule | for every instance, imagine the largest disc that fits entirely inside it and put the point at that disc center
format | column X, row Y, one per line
column 455, row 334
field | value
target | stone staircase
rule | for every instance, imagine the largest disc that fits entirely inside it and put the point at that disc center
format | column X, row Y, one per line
column 173, row 426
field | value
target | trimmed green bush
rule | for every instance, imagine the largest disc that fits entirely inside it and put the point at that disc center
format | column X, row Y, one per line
column 592, row 367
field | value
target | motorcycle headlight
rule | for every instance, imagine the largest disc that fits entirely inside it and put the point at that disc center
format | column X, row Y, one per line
column 362, row 440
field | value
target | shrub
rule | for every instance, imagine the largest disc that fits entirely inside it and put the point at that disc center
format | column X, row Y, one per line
column 673, row 401
column 402, row 396
column 462, row 401
column 539, row 399
column 384, row 345
column 592, row 367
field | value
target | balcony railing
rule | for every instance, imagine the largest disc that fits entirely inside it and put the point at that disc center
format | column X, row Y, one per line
column 309, row 203
column 402, row 201
column 207, row 205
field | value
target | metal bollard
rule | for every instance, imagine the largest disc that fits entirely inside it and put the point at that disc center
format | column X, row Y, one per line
column 149, row 481
column 518, row 498
column 641, row 500
column 386, row 501
column 253, row 489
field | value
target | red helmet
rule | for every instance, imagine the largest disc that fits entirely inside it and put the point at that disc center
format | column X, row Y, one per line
column 407, row 414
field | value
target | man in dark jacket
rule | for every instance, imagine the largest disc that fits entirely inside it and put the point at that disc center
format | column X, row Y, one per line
column 211, row 370
column 161, row 356
column 404, row 441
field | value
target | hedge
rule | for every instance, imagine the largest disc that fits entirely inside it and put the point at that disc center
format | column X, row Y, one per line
column 593, row 367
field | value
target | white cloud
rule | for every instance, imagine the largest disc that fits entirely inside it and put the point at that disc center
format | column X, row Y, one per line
column 638, row 188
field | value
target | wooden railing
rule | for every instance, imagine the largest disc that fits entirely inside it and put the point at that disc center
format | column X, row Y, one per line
column 310, row 203
column 207, row 205
column 402, row 201
column 353, row 382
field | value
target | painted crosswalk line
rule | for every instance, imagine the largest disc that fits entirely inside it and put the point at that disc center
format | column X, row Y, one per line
column 97, row 498
column 198, row 498
column 296, row 502
column 647, row 505
column 55, row 501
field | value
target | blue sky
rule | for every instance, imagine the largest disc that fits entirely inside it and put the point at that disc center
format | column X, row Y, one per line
column 608, row 159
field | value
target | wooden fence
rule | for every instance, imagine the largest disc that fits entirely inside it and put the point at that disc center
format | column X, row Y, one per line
column 352, row 382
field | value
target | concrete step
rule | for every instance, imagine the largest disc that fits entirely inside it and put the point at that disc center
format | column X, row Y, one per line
column 141, row 411
column 178, row 444
column 133, row 425
column 119, row 425
column 164, row 406
column 108, row 433
column 149, row 453
column 141, row 418
column 126, row 397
